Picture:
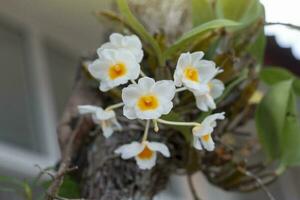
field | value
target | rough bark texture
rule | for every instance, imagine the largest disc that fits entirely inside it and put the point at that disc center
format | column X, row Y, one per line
column 102, row 174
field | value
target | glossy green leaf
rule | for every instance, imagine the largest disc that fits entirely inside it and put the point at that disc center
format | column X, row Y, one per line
column 244, row 11
column 202, row 11
column 132, row 21
column 290, row 136
column 180, row 44
column 270, row 117
column 273, row 75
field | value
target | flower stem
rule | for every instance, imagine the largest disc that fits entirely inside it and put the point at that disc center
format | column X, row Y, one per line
column 133, row 81
column 145, row 136
column 143, row 74
column 178, row 123
column 181, row 89
column 114, row 106
column 156, row 128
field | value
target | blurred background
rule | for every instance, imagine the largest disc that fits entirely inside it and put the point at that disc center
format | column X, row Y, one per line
column 41, row 42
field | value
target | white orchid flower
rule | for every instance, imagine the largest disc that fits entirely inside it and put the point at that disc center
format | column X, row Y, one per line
column 113, row 68
column 145, row 153
column 197, row 75
column 148, row 99
column 193, row 72
column 130, row 43
column 202, row 133
column 106, row 119
column 205, row 101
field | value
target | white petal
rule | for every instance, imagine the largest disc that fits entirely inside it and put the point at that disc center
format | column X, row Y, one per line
column 178, row 77
column 201, row 103
column 146, row 163
column 116, row 38
column 129, row 112
column 211, row 119
column 166, row 107
column 197, row 143
column 107, row 131
column 105, row 115
column 86, row 109
column 207, row 70
column 208, row 145
column 108, row 54
column 196, row 56
column 150, row 114
column 201, row 130
column 146, row 83
column 184, row 60
column 98, row 69
column 134, row 41
column 165, row 89
column 105, row 86
column 129, row 150
column 160, row 147
column 210, row 102
column 131, row 94
column 205, row 102
column 217, row 88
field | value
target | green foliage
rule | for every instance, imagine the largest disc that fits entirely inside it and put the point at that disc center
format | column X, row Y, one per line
column 69, row 188
column 257, row 48
column 273, row 75
column 277, row 124
column 202, row 12
column 23, row 188
column 189, row 36
column 244, row 11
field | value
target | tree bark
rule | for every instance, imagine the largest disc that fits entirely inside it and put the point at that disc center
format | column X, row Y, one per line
column 102, row 174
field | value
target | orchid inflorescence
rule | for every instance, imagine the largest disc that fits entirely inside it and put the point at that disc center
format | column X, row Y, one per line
column 146, row 99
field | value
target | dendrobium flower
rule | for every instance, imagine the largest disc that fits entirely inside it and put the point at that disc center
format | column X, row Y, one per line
column 197, row 76
column 106, row 119
column 205, row 101
column 145, row 153
column 130, row 43
column 202, row 133
column 114, row 67
column 148, row 99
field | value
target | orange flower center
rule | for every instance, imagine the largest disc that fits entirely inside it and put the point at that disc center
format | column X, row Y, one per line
column 205, row 137
column 117, row 70
column 191, row 73
column 146, row 154
column 148, row 102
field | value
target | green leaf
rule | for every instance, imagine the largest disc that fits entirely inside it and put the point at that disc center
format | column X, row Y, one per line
column 202, row 11
column 244, row 11
column 69, row 188
column 195, row 32
column 273, row 75
column 139, row 29
column 290, row 136
column 277, row 124
column 257, row 48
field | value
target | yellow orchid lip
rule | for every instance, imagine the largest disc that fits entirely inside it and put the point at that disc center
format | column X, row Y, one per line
column 205, row 137
column 147, row 102
column 146, row 154
column 117, row 70
column 191, row 73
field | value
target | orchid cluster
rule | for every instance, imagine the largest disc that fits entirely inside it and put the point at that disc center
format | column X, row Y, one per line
column 119, row 62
